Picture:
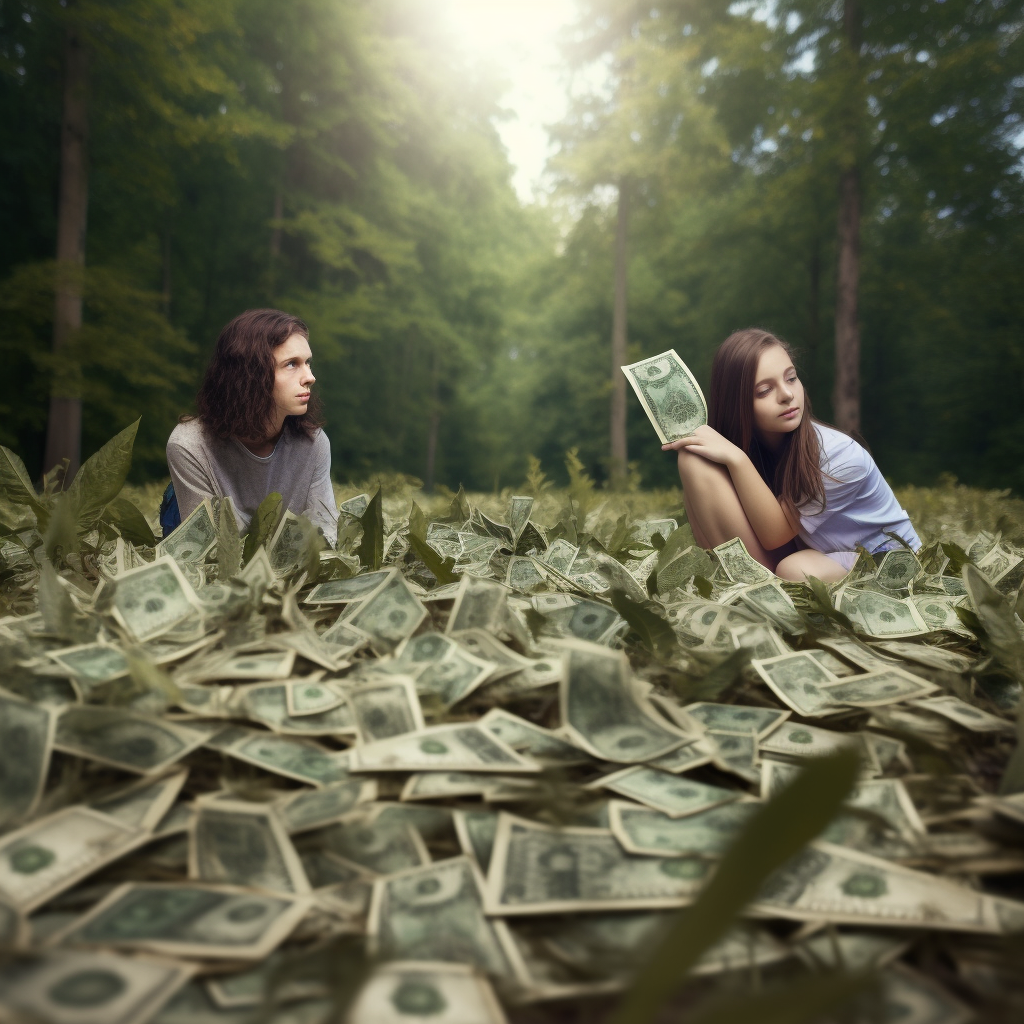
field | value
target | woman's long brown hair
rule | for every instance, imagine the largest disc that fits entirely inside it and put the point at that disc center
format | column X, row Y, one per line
column 236, row 398
column 793, row 472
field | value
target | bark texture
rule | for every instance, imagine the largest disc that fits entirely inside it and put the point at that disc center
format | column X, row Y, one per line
column 619, row 454
column 64, row 428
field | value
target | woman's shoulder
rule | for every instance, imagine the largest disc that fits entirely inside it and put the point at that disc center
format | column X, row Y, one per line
column 841, row 454
column 188, row 434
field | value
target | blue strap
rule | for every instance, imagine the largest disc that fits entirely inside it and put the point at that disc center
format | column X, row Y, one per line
column 170, row 516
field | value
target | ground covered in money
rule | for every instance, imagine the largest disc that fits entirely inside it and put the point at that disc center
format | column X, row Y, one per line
column 479, row 762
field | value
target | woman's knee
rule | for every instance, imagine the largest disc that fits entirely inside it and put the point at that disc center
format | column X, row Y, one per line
column 693, row 468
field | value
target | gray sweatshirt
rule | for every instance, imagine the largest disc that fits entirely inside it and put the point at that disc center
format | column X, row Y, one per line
column 299, row 469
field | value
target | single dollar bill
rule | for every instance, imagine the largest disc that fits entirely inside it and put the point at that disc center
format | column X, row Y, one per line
column 456, row 747
column 377, row 841
column 799, row 681
column 770, row 600
column 708, row 833
column 355, row 588
column 390, row 615
column 739, row 565
column 386, row 709
column 880, row 615
column 151, row 600
column 289, row 756
column 830, row 883
column 737, row 717
column 193, row 539
column 92, row 664
column 406, row 992
column 898, row 569
column 436, row 912
column 125, row 739
column 26, row 742
column 967, row 715
column 47, row 856
column 541, row 745
column 243, row 844
column 188, row 919
column 600, row 709
column 267, row 703
column 666, row 792
column 309, row 809
column 476, row 831
column 479, row 604
column 539, row 869
column 670, row 395
column 84, row 987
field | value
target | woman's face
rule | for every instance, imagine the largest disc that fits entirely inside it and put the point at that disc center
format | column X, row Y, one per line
column 778, row 395
column 292, row 376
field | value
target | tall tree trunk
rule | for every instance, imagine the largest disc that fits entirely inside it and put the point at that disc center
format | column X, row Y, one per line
column 64, row 428
column 166, row 290
column 433, row 426
column 275, row 232
column 619, row 455
column 846, row 397
column 814, row 310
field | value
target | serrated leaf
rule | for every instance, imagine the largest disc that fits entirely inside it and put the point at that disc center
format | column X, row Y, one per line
column 371, row 547
column 654, row 631
column 102, row 476
column 263, row 524
column 775, row 834
column 130, row 521
column 229, row 541
column 442, row 568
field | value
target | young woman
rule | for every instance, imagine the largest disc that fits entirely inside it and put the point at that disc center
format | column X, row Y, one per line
column 257, row 431
column 801, row 496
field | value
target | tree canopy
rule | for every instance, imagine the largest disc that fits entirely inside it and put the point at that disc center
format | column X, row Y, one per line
column 340, row 159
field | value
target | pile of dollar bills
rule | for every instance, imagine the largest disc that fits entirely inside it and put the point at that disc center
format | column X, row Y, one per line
column 460, row 769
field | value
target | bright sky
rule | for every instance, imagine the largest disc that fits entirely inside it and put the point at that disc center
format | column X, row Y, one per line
column 520, row 38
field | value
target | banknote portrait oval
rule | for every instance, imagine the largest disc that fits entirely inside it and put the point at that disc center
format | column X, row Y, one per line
column 238, row 920
column 684, row 868
column 88, row 988
column 418, row 999
column 800, row 736
column 433, row 746
column 27, row 860
column 437, row 888
column 865, row 884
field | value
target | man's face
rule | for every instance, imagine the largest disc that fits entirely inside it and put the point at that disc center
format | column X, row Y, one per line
column 293, row 376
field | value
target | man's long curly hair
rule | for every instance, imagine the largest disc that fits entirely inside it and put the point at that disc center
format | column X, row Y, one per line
column 236, row 398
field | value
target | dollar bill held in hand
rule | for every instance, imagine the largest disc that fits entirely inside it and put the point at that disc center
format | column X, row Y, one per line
column 670, row 395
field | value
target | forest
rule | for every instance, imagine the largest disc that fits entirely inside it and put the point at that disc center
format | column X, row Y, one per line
column 340, row 159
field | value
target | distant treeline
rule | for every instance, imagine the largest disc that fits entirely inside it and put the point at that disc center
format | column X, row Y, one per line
column 339, row 159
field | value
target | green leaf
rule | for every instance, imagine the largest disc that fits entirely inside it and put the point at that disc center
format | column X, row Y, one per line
column 717, row 679
column 442, row 568
column 229, row 541
column 371, row 547
column 61, row 536
column 996, row 617
column 958, row 558
column 102, row 476
column 655, row 632
column 779, row 831
column 804, row 999
column 262, row 527
column 130, row 521
column 417, row 522
column 55, row 604
column 821, row 602
column 15, row 483
column 704, row 587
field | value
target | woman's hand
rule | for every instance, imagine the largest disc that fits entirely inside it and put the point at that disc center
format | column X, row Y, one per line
column 709, row 444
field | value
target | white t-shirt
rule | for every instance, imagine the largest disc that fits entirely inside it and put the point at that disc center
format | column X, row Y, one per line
column 860, row 506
